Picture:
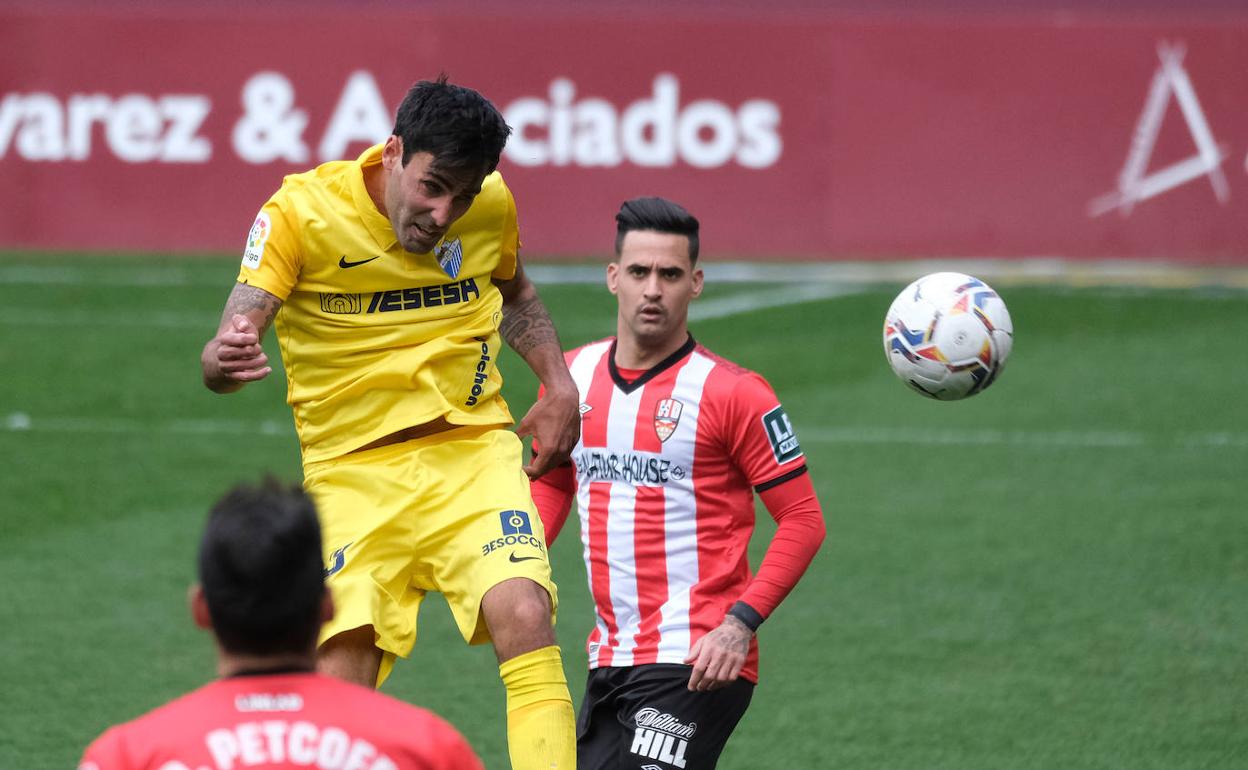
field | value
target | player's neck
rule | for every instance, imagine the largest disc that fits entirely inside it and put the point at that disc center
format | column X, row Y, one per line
column 233, row 664
column 634, row 353
column 374, row 184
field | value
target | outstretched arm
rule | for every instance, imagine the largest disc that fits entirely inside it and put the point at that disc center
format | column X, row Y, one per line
column 553, row 421
column 234, row 357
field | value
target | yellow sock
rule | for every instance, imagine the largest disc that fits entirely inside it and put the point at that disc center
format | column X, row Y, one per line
column 541, row 727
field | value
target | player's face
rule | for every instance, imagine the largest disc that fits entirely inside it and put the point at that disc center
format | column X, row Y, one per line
column 423, row 200
column 654, row 282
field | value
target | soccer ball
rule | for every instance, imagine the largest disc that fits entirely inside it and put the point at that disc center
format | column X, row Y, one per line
column 947, row 335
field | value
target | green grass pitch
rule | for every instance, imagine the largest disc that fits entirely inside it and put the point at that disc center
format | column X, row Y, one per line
column 1052, row 574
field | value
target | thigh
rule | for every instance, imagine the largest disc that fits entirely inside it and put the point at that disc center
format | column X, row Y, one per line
column 672, row 727
column 602, row 738
column 481, row 527
column 367, row 532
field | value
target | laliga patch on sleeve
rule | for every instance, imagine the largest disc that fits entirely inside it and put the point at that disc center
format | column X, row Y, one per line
column 256, row 239
column 781, row 435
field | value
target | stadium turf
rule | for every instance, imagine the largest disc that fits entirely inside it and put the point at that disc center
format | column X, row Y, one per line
column 1050, row 575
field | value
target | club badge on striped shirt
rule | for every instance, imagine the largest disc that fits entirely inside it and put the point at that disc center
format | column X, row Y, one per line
column 450, row 256
column 666, row 417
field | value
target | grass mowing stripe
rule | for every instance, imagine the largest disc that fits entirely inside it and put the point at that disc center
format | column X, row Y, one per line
column 71, row 318
column 138, row 275
column 1067, row 592
column 20, row 422
column 721, row 307
column 1064, row 439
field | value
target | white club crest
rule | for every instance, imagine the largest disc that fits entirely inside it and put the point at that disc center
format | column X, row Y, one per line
column 667, row 417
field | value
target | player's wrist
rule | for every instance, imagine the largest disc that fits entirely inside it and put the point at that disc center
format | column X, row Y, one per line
column 746, row 615
column 562, row 387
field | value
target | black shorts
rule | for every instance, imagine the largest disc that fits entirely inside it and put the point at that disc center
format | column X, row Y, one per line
column 645, row 718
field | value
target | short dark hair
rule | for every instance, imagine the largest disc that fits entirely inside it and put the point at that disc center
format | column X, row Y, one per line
column 659, row 215
column 457, row 125
column 261, row 569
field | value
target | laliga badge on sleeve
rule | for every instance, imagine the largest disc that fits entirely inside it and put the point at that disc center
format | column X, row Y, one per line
column 256, row 239
column 781, row 436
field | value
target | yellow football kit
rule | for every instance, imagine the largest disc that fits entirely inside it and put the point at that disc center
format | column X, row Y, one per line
column 461, row 496
column 375, row 339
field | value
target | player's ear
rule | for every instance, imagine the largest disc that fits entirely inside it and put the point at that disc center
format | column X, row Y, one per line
column 613, row 277
column 697, row 281
column 392, row 153
column 199, row 606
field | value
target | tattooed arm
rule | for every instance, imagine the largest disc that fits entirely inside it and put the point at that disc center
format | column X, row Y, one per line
column 555, row 420
column 234, row 357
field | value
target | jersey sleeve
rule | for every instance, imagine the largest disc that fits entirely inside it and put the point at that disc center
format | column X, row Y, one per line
column 800, row 531
column 553, row 492
column 273, row 256
column 765, row 448
column 760, row 436
column 106, row 753
column 509, row 247
column 444, row 747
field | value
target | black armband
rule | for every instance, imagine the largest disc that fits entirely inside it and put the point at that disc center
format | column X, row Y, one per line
column 747, row 615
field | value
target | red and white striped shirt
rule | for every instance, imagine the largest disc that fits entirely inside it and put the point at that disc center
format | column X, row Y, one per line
column 664, row 476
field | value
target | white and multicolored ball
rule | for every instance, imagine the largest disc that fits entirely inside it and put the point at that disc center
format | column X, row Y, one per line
column 948, row 335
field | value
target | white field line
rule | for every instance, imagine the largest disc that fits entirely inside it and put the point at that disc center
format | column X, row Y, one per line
column 748, row 302
column 20, row 422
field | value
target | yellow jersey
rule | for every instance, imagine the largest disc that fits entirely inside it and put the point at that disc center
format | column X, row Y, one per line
column 375, row 339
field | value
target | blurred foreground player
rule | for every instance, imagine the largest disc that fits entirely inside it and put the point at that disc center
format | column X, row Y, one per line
column 262, row 593
column 674, row 443
column 390, row 280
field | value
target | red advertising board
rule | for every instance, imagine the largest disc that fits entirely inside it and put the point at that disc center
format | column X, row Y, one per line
column 799, row 135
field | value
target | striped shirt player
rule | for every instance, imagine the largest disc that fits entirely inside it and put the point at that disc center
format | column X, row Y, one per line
column 664, row 476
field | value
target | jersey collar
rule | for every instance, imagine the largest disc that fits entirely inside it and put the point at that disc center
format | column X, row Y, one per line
column 376, row 222
column 651, row 373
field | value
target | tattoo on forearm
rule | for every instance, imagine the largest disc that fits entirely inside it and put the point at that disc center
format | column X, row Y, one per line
column 243, row 299
column 526, row 324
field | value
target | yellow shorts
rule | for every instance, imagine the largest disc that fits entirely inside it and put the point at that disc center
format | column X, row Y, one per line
column 449, row 512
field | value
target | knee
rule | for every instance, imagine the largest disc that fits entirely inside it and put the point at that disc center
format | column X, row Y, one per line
column 532, row 611
column 518, row 607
